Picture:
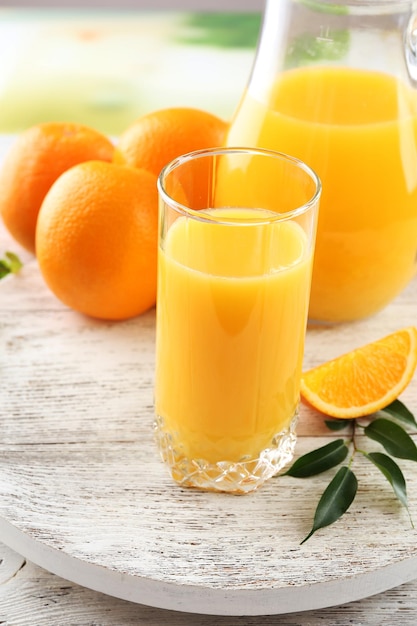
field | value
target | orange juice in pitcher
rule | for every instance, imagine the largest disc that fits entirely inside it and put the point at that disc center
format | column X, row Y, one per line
column 334, row 84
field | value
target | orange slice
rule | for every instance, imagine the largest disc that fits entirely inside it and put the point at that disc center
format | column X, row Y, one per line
column 364, row 380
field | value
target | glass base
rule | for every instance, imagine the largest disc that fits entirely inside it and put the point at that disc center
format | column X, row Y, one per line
column 236, row 477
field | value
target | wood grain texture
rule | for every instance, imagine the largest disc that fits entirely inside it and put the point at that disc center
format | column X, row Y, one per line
column 34, row 597
column 10, row 563
column 84, row 494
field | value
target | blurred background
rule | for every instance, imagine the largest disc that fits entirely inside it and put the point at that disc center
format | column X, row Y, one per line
column 106, row 63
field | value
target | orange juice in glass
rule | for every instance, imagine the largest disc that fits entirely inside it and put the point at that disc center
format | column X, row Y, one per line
column 334, row 84
column 237, row 230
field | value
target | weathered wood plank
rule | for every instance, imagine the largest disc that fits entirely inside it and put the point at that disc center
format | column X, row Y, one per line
column 35, row 597
column 10, row 563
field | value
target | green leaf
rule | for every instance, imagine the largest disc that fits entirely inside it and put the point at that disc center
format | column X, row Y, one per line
column 335, row 501
column 399, row 411
column 221, row 29
column 4, row 269
column 10, row 264
column 15, row 264
column 393, row 438
column 335, row 424
column 319, row 460
column 392, row 473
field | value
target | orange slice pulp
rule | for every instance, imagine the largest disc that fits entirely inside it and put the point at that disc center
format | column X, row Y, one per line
column 364, row 380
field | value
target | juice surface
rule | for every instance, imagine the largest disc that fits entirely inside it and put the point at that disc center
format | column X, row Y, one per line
column 358, row 131
column 231, row 316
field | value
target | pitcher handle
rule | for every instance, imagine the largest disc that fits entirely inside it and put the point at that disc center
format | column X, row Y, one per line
column 410, row 47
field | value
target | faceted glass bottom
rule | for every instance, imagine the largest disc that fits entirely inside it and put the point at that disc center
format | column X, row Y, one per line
column 237, row 477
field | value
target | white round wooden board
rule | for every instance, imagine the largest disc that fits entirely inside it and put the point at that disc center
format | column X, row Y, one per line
column 84, row 494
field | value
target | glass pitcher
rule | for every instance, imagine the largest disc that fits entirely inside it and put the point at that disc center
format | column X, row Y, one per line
column 334, row 83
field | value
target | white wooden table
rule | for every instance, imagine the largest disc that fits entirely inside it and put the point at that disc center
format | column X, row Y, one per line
column 74, row 436
column 30, row 596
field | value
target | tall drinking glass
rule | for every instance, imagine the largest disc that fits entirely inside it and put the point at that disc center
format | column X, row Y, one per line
column 236, row 239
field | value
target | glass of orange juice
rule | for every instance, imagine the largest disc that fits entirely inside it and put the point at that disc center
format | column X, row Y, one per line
column 236, row 239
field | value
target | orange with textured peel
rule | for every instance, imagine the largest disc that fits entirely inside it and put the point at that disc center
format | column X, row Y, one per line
column 364, row 380
column 35, row 160
column 153, row 140
column 96, row 239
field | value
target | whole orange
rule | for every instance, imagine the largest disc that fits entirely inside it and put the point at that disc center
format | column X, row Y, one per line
column 36, row 159
column 160, row 136
column 96, row 239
